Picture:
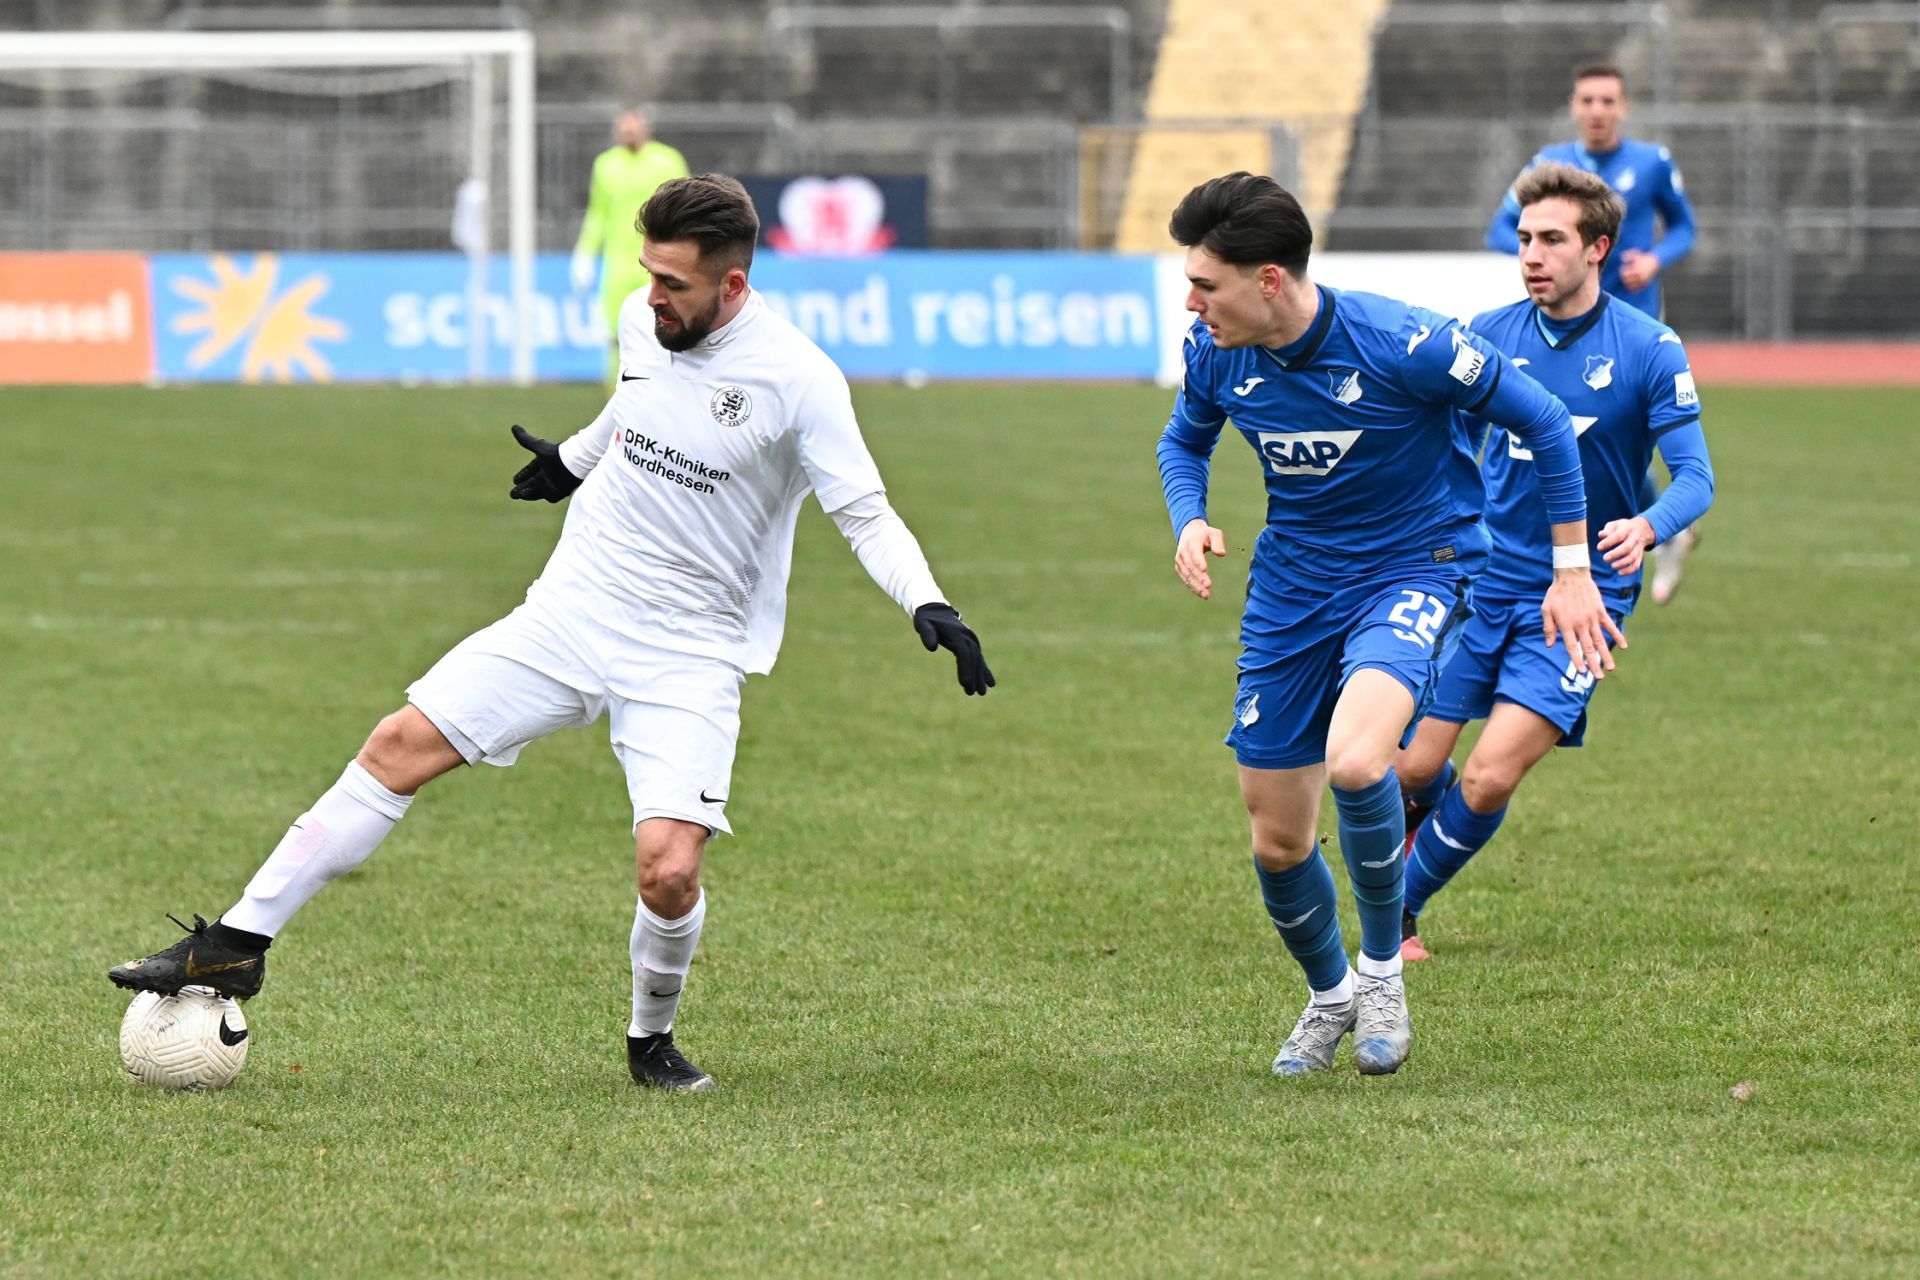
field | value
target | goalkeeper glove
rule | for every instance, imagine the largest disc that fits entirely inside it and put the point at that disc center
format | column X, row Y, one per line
column 940, row 626
column 546, row 476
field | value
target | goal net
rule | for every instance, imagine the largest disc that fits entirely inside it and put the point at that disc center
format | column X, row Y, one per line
column 296, row 141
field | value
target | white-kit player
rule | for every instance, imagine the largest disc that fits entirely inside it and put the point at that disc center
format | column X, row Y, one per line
column 667, row 587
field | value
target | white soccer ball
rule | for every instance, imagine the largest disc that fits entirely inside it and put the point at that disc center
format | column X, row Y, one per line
column 195, row 1041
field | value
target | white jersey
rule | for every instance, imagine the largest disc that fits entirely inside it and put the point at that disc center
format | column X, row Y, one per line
column 681, row 536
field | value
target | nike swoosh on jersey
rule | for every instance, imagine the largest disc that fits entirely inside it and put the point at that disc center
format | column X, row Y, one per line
column 634, row 377
column 707, row 799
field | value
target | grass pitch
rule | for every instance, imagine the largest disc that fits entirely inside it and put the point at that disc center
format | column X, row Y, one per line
column 987, row 985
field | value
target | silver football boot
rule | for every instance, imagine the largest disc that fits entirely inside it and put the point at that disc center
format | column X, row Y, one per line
column 1383, row 1031
column 1315, row 1037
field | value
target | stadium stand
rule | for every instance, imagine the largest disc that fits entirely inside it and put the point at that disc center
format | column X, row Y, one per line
column 1303, row 59
column 1797, row 125
column 1794, row 124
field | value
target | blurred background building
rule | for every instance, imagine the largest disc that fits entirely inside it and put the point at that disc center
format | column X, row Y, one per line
column 1055, row 126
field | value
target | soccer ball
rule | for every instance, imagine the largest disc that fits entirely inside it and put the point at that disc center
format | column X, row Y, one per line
column 195, row 1041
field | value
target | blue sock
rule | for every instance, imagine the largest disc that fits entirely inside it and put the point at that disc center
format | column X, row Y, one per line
column 1300, row 901
column 1450, row 837
column 1428, row 797
column 1373, row 827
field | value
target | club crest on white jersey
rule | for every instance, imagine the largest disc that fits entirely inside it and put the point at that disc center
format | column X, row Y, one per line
column 1305, row 453
column 731, row 406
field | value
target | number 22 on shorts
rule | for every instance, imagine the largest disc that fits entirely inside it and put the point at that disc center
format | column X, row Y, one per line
column 1417, row 618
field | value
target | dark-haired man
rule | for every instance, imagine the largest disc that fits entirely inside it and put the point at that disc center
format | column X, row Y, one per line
column 1656, row 231
column 667, row 587
column 1361, row 576
column 1625, row 377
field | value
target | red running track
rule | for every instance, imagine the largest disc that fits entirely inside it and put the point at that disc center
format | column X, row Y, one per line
column 1806, row 364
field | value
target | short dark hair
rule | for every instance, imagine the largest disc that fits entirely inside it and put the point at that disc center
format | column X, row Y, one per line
column 1600, row 208
column 710, row 209
column 1245, row 219
column 1599, row 70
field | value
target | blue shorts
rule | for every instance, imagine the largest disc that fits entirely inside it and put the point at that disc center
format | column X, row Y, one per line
column 1301, row 642
column 1501, row 659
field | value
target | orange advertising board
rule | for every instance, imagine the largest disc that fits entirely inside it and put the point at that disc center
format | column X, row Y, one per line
column 75, row 317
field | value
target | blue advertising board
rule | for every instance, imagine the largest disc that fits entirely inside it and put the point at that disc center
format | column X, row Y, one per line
column 404, row 316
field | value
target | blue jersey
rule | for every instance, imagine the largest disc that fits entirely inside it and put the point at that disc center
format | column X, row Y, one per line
column 1369, row 467
column 1625, row 377
column 1648, row 183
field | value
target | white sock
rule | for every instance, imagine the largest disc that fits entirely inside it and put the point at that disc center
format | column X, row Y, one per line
column 329, row 840
column 1371, row 968
column 662, row 954
column 1340, row 994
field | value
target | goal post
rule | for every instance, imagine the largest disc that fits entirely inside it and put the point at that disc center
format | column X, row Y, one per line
column 475, row 59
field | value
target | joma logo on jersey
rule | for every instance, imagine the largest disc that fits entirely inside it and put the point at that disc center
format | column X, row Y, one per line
column 1305, row 453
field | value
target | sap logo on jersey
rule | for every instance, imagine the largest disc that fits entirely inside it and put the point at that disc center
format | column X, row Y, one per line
column 1468, row 360
column 1344, row 384
column 1305, row 453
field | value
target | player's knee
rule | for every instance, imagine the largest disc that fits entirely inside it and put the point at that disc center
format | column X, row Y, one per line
column 669, row 855
column 1356, row 768
column 1277, row 847
column 1487, row 785
column 405, row 752
column 1416, row 768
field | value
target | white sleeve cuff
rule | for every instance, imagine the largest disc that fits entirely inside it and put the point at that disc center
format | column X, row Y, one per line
column 582, row 451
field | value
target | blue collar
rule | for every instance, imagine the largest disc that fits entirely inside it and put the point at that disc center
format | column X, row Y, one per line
column 1300, row 352
column 1564, row 333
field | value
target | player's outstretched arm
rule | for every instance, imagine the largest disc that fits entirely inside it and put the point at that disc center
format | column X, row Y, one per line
column 892, row 557
column 546, row 478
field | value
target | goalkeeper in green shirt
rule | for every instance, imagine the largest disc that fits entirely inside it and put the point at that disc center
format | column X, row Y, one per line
column 624, row 176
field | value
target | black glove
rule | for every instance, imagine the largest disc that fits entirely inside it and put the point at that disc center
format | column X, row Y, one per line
column 546, row 476
column 940, row 625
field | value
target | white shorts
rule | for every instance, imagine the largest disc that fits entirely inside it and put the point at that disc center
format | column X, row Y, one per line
column 675, row 717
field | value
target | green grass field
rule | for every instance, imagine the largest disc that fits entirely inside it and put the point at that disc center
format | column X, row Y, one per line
column 987, row 985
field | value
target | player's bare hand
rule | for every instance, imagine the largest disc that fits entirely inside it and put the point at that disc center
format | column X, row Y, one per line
column 1574, row 612
column 1624, row 543
column 1638, row 268
column 1197, row 541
